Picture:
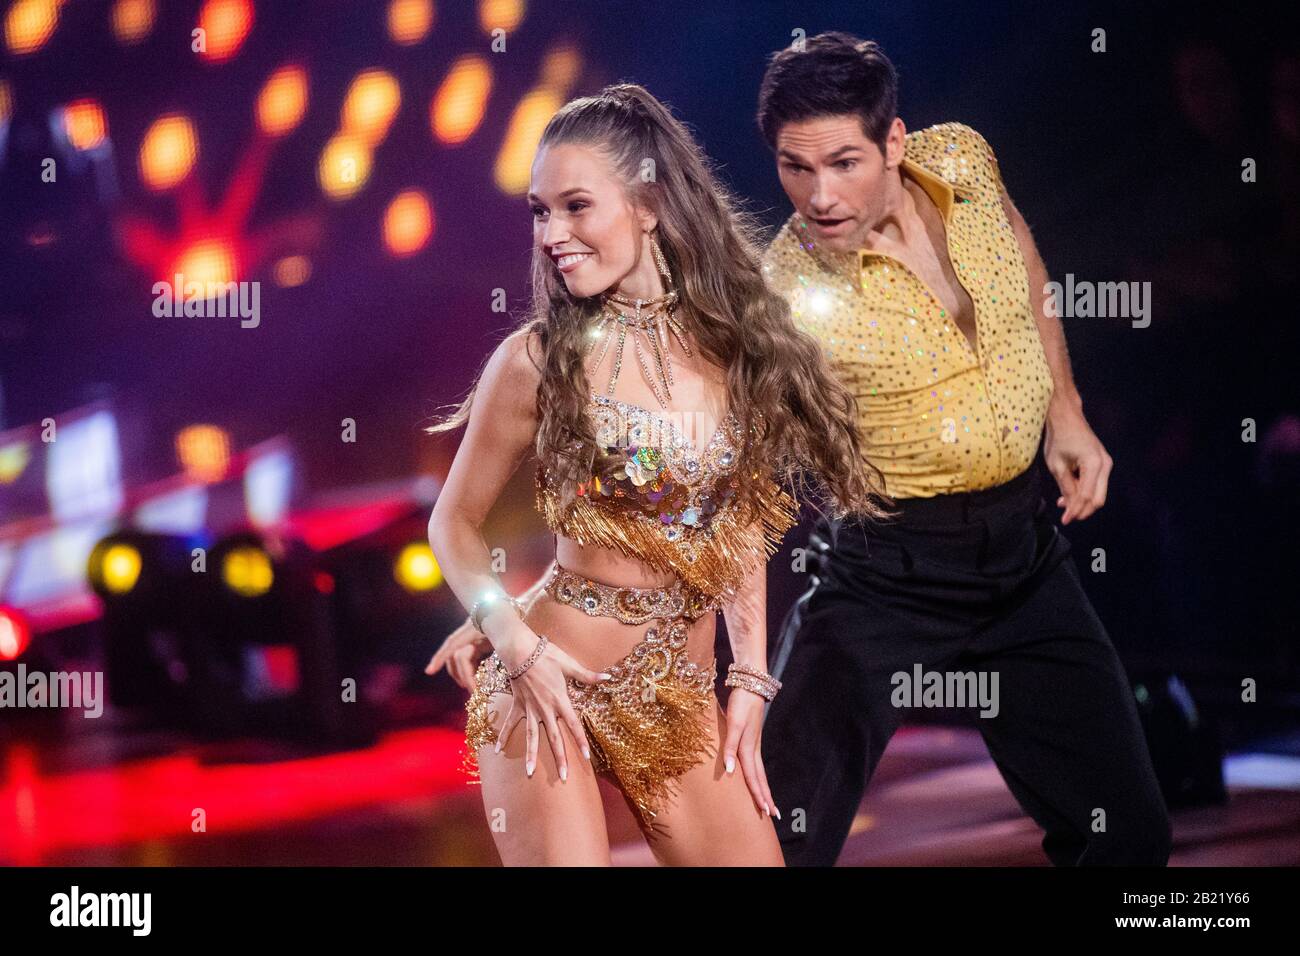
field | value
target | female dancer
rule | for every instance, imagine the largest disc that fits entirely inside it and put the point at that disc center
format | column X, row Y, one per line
column 666, row 493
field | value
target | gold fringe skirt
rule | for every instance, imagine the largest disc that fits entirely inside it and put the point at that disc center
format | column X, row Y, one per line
column 647, row 724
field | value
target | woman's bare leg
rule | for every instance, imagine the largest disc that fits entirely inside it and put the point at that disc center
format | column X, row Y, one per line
column 541, row 820
column 712, row 819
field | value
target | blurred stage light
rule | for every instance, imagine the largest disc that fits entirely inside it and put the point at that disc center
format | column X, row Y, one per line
column 83, row 471
column 416, row 569
column 500, row 14
column 84, row 124
column 561, row 67
column 370, row 105
column 132, row 20
column 344, row 166
column 13, row 461
column 168, row 151
column 408, row 223
column 292, row 271
column 458, row 105
column 204, row 452
column 129, row 563
column 29, row 24
column 226, row 23
column 409, row 20
column 6, row 102
column 15, row 634
column 181, row 511
column 119, row 568
column 268, row 485
column 283, row 101
column 515, row 160
column 247, row 571
column 206, row 261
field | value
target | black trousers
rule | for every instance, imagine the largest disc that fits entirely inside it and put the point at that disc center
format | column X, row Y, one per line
column 974, row 582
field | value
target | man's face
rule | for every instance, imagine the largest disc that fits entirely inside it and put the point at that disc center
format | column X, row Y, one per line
column 836, row 177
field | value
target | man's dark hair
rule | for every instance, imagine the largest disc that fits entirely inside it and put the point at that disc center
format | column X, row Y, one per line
column 834, row 74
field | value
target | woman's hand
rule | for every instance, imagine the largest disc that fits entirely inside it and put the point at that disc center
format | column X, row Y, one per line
column 744, row 737
column 540, row 697
column 461, row 653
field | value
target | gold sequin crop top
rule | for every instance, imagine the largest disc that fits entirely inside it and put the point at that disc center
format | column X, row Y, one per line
column 654, row 496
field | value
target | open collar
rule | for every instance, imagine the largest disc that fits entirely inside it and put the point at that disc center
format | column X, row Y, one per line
column 848, row 264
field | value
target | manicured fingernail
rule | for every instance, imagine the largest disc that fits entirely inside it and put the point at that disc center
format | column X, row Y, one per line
column 766, row 812
column 778, row 812
column 604, row 676
column 497, row 745
column 586, row 751
column 530, row 768
column 731, row 765
column 564, row 774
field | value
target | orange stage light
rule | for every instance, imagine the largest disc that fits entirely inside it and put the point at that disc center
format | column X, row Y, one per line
column 408, row 223
column 84, row 123
column 203, row 452
column 515, row 160
column 500, row 14
column 283, row 101
column 226, row 24
column 344, row 166
column 206, row 261
column 29, row 24
column 168, row 151
column 409, row 21
column 132, row 20
column 370, row 105
column 458, row 105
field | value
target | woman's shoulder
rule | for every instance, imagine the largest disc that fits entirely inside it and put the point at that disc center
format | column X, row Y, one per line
column 519, row 354
column 514, row 370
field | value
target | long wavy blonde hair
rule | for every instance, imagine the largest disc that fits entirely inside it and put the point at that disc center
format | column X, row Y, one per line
column 799, row 419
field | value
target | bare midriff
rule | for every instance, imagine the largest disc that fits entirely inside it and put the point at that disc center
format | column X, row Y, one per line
column 597, row 642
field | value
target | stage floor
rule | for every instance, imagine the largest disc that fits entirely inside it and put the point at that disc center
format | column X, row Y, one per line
column 135, row 798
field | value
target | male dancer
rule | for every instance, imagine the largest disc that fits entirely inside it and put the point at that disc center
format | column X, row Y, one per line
column 906, row 257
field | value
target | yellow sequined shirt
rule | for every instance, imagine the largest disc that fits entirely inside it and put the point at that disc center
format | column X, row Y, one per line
column 654, row 496
column 937, row 415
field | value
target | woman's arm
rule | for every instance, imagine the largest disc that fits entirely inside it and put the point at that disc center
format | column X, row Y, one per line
column 501, row 429
column 746, row 617
column 464, row 647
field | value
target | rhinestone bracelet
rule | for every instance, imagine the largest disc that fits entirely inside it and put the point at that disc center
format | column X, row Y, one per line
column 532, row 659
column 752, row 679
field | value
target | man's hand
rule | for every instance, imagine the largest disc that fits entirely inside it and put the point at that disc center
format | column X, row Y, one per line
column 1077, row 460
column 461, row 653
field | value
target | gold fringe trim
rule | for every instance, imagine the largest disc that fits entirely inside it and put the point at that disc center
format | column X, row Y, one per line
column 645, row 730
column 725, row 550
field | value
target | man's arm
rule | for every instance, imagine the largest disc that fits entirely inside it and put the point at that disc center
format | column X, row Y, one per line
column 1050, row 329
column 1074, row 454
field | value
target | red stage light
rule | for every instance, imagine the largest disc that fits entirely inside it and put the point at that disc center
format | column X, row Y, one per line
column 15, row 634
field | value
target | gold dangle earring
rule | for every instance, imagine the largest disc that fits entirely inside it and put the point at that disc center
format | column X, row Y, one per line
column 660, row 262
